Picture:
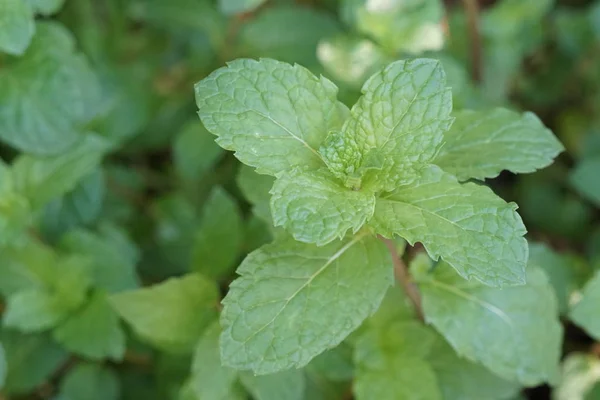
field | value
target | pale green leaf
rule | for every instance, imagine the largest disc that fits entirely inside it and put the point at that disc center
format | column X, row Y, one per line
column 238, row 6
column 586, row 312
column 93, row 331
column 218, row 239
column 314, row 208
column 210, row 380
column 16, row 26
column 272, row 114
column 395, row 128
column 30, row 360
column 43, row 178
column 299, row 30
column 585, row 179
column 580, row 372
column 46, row 7
column 411, row 26
column 255, row 189
column 293, row 301
column 33, row 310
column 170, row 315
column 467, row 225
column 391, row 363
column 194, row 151
column 514, row 331
column 90, row 382
column 55, row 85
column 481, row 144
column 288, row 385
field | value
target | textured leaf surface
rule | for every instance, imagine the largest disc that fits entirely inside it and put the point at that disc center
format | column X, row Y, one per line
column 471, row 228
column 288, row 385
column 391, row 363
column 90, row 382
column 272, row 114
column 480, row 144
column 16, row 26
column 395, row 128
column 43, row 178
column 170, row 315
column 585, row 179
column 57, row 88
column 218, row 240
column 93, row 331
column 210, row 380
column 293, row 301
column 514, row 331
column 315, row 208
column 586, row 313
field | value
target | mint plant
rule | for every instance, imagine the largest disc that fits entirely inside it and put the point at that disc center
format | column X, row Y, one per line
column 394, row 165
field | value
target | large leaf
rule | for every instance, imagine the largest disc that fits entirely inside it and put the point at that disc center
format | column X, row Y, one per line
column 48, row 95
column 480, row 144
column 16, row 26
column 467, row 225
column 170, row 315
column 514, row 331
column 293, row 301
column 272, row 114
column 315, row 208
column 395, row 128
column 586, row 312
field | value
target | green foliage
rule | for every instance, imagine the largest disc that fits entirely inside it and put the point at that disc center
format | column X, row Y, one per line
column 140, row 259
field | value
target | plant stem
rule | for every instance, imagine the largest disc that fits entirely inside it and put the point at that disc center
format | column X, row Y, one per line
column 472, row 11
column 402, row 276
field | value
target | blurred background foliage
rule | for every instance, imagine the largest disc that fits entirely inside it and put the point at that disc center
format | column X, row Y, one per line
column 148, row 197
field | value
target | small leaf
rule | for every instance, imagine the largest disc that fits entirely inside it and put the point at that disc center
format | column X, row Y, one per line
column 218, row 239
column 314, row 208
column 55, row 85
column 586, row 312
column 93, row 331
column 585, row 179
column 514, row 331
column 272, row 114
column 395, row 128
column 480, row 144
column 16, row 26
column 90, row 382
column 288, row 385
column 170, row 315
column 211, row 380
column 293, row 301
column 467, row 225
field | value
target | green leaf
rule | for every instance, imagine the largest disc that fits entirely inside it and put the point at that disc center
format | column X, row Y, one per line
column 90, row 382
column 16, row 26
column 585, row 179
column 44, row 178
column 314, row 208
column 218, row 239
column 46, row 7
column 3, row 366
column 335, row 364
column 238, row 6
column 15, row 212
column 395, row 129
column 57, row 88
column 255, row 189
column 586, row 312
column 411, row 26
column 467, row 225
column 30, row 360
column 514, row 331
column 480, row 144
column 170, row 315
column 288, row 385
column 211, row 380
column 299, row 30
column 273, row 115
column 293, row 301
column 391, row 364
column 194, row 151
column 580, row 372
column 93, row 331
